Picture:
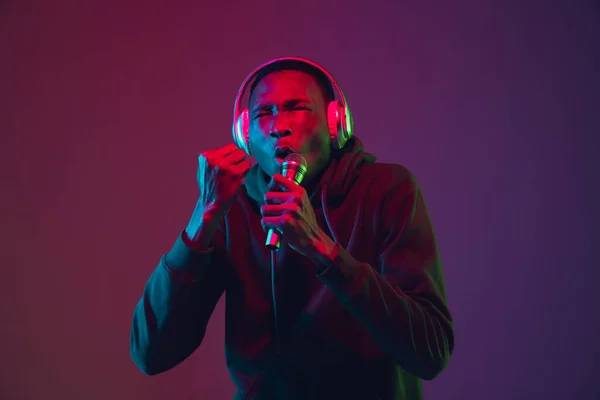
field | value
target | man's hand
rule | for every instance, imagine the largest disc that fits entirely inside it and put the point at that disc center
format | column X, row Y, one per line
column 288, row 210
column 220, row 175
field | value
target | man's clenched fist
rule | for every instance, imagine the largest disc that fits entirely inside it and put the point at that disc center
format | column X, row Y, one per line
column 221, row 173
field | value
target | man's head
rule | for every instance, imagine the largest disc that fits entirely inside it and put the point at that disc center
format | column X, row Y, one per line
column 288, row 110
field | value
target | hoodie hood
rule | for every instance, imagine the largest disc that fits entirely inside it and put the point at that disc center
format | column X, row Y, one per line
column 335, row 183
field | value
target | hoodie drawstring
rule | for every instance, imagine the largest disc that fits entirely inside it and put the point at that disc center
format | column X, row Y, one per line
column 324, row 207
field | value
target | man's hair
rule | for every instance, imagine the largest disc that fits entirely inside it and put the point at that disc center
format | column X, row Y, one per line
column 294, row 65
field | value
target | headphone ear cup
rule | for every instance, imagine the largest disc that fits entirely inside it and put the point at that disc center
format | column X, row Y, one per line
column 336, row 123
column 240, row 131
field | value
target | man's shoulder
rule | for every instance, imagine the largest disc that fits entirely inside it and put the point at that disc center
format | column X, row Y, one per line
column 378, row 181
column 386, row 175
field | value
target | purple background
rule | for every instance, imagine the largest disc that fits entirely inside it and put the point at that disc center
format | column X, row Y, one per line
column 494, row 105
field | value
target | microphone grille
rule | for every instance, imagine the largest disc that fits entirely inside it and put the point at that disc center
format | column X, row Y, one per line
column 296, row 160
column 294, row 167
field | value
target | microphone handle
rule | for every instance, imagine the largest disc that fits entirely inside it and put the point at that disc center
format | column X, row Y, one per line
column 295, row 173
column 273, row 241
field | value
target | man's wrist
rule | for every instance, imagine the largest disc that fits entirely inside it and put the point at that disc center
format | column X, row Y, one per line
column 202, row 227
column 324, row 252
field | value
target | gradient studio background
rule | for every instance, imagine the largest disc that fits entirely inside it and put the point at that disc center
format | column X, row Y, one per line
column 105, row 105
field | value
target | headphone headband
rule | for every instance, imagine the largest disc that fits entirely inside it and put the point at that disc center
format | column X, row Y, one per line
column 251, row 75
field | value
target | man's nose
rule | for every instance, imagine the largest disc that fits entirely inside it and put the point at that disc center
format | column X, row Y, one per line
column 280, row 129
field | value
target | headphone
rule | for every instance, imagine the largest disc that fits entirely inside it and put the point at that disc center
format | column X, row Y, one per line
column 339, row 118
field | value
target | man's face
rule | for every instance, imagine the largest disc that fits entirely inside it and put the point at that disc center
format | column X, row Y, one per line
column 288, row 111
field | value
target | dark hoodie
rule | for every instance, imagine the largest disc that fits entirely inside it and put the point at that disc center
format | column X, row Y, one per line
column 369, row 326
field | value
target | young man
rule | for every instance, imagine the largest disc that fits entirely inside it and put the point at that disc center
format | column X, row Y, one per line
column 358, row 310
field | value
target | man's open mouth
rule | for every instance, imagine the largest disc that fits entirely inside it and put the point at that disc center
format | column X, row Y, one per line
column 281, row 152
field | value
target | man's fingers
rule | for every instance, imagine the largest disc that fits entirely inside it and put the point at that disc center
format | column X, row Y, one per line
column 275, row 222
column 214, row 156
column 235, row 157
column 242, row 168
column 279, row 183
column 281, row 197
column 276, row 186
column 225, row 150
column 270, row 210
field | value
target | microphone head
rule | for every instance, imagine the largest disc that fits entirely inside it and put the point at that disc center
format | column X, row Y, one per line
column 294, row 167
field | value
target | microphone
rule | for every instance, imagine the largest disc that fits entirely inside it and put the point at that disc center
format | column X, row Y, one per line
column 294, row 169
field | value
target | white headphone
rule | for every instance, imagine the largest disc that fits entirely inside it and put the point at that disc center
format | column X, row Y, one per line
column 339, row 118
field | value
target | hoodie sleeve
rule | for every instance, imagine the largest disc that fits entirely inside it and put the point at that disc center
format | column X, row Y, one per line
column 403, row 306
column 170, row 319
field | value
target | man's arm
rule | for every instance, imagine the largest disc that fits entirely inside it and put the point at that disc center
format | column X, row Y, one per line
column 170, row 319
column 404, row 308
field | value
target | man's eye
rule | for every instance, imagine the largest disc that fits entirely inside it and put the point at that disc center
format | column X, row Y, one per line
column 260, row 114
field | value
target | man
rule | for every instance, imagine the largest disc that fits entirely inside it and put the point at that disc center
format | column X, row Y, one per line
column 358, row 309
